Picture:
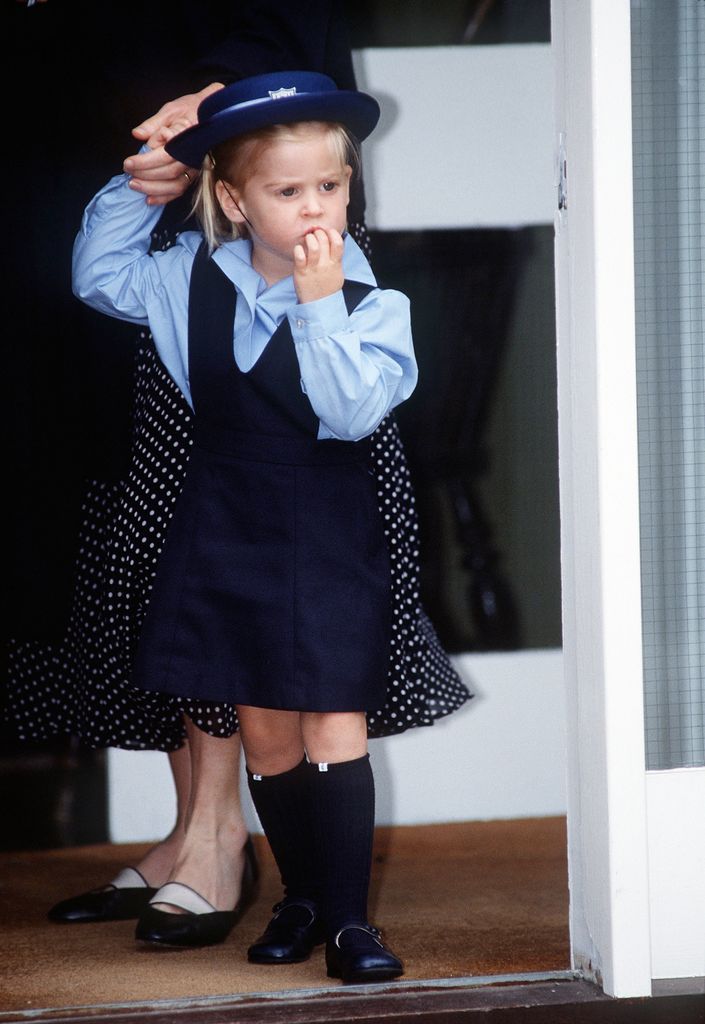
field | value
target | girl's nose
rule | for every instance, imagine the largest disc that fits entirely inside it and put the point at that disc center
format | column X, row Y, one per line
column 312, row 205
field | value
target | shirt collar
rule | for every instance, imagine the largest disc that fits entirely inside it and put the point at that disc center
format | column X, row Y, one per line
column 235, row 260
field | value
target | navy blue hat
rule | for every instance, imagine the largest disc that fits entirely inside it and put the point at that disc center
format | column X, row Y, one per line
column 277, row 98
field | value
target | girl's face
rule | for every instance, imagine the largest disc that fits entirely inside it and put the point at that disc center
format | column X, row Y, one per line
column 297, row 185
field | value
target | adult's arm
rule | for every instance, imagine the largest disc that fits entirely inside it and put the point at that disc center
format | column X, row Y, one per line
column 276, row 35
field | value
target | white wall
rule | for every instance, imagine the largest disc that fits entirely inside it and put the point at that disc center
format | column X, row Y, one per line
column 500, row 756
column 675, row 802
column 465, row 138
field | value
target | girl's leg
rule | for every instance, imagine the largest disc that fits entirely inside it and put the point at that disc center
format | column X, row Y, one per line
column 343, row 815
column 331, row 737
column 319, row 820
column 343, row 800
column 271, row 739
column 278, row 778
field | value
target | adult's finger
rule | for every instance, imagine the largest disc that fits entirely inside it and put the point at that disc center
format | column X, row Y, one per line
column 161, row 190
column 184, row 108
column 156, row 164
column 164, row 116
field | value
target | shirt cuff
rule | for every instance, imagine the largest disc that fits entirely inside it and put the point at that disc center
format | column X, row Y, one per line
column 311, row 320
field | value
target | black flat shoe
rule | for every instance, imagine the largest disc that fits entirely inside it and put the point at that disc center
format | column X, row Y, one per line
column 357, row 954
column 202, row 924
column 126, row 897
column 290, row 936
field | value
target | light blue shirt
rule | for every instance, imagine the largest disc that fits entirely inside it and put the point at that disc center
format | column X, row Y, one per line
column 354, row 369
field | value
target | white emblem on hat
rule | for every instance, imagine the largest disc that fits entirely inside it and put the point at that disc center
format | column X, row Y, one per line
column 279, row 94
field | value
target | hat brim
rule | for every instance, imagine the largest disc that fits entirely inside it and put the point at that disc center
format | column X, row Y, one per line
column 356, row 110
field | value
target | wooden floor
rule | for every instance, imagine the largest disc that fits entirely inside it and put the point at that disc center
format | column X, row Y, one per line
column 478, row 912
column 454, row 900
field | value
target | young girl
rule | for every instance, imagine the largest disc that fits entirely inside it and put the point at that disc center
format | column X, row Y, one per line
column 273, row 588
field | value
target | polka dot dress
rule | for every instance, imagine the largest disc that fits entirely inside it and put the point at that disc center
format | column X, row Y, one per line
column 82, row 686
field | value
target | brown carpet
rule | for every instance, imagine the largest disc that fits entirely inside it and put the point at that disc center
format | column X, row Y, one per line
column 455, row 900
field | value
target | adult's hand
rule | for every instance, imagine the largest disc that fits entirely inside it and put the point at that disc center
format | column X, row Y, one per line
column 156, row 174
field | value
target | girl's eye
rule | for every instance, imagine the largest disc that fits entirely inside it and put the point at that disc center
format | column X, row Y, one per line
column 329, row 186
column 288, row 191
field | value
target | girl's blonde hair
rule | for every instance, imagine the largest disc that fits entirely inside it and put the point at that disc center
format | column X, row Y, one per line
column 235, row 160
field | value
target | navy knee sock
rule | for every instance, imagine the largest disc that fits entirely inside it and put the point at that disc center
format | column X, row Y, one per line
column 283, row 805
column 343, row 809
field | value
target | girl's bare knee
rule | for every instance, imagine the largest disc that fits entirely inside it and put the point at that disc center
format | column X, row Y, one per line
column 334, row 736
column 271, row 739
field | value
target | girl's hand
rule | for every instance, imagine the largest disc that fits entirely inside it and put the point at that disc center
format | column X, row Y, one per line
column 318, row 265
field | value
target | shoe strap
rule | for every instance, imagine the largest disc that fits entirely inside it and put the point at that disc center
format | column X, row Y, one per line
column 183, row 896
column 368, row 929
column 278, row 908
column 129, row 878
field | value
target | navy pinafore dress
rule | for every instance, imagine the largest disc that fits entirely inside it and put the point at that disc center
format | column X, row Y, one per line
column 273, row 588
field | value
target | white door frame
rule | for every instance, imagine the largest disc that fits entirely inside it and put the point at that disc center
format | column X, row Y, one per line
column 607, row 822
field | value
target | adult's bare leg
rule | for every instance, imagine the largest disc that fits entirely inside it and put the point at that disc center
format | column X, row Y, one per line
column 211, row 857
column 128, row 895
column 157, row 866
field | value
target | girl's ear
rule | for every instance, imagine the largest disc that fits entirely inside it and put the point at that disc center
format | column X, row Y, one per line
column 229, row 202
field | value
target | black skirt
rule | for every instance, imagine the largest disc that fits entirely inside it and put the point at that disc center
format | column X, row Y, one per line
column 273, row 589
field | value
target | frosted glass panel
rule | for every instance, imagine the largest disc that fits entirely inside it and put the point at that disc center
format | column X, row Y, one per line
column 668, row 59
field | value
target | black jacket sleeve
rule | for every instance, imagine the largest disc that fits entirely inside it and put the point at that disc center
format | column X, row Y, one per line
column 243, row 39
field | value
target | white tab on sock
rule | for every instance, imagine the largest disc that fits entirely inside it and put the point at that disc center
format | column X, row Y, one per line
column 323, row 766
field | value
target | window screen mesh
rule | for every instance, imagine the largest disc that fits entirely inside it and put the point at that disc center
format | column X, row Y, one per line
column 668, row 57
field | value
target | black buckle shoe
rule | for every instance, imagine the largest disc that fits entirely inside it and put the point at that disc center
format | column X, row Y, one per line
column 357, row 954
column 202, row 925
column 118, row 901
column 290, row 936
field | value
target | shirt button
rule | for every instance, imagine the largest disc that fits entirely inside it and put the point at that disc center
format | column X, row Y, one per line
column 299, row 323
